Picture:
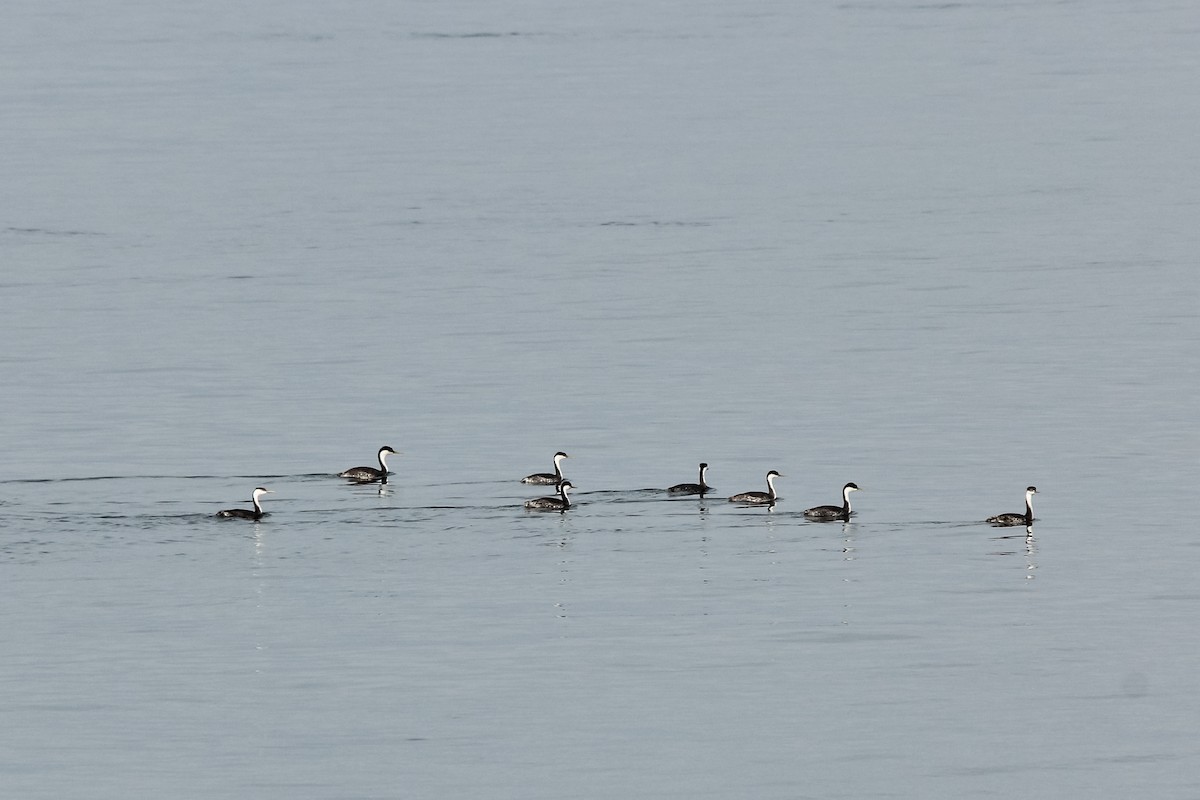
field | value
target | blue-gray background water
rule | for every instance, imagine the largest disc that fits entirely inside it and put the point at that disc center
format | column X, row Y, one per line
column 943, row 250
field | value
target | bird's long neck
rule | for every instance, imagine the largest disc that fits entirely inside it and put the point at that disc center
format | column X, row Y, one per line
column 846, row 500
column 383, row 470
column 703, row 485
column 1028, row 506
column 771, row 486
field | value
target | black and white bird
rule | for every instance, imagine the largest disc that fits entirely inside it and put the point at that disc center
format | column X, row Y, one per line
column 692, row 488
column 370, row 474
column 560, row 503
column 244, row 513
column 1008, row 520
column 759, row 498
column 547, row 478
column 827, row 513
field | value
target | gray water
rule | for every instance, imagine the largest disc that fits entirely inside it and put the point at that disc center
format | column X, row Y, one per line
column 943, row 250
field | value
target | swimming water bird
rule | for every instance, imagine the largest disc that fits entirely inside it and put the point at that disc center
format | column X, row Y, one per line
column 560, row 503
column 242, row 513
column 546, row 478
column 692, row 488
column 759, row 498
column 370, row 474
column 827, row 513
column 1008, row 520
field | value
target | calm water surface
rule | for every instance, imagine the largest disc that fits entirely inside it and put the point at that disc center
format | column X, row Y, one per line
column 942, row 250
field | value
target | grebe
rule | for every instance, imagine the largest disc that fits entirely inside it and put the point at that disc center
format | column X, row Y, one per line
column 370, row 474
column 241, row 513
column 759, row 498
column 692, row 488
column 1008, row 520
column 560, row 503
column 545, row 478
column 834, row 512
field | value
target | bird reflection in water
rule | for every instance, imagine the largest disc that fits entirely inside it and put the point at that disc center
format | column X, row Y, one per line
column 1029, row 551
